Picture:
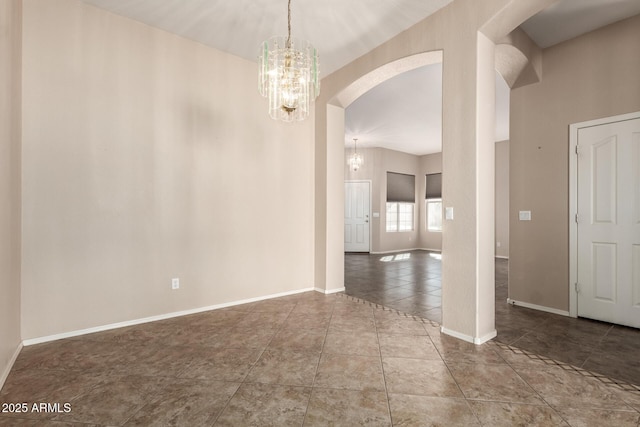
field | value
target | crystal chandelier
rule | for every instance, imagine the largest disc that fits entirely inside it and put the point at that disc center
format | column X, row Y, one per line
column 355, row 159
column 288, row 75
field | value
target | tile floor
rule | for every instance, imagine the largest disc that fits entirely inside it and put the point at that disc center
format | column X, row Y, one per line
column 411, row 282
column 307, row 359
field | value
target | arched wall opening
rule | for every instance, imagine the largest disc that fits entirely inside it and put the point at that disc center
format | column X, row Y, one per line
column 373, row 78
column 335, row 130
column 395, row 111
column 386, row 146
column 469, row 63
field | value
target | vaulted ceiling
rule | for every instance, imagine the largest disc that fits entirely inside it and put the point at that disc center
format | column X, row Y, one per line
column 403, row 113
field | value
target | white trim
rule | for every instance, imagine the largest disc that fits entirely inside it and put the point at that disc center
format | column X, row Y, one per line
column 607, row 120
column 426, row 215
column 413, row 214
column 134, row 322
column 501, row 257
column 573, row 226
column 460, row 336
column 488, row 337
column 573, row 199
column 395, row 251
column 12, row 361
column 329, row 291
column 538, row 307
column 469, row 338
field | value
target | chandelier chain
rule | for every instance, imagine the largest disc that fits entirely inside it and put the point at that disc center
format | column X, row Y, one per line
column 289, row 24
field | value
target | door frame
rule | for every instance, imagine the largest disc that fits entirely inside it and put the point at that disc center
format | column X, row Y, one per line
column 370, row 182
column 573, row 199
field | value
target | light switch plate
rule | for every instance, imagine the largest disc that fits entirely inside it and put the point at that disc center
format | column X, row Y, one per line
column 376, row 214
column 525, row 215
column 448, row 213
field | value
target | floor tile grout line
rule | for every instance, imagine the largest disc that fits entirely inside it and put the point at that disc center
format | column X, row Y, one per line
column 385, row 308
column 464, row 396
column 216, row 416
column 597, row 346
column 384, row 377
column 146, row 403
column 377, row 309
column 243, row 382
column 539, row 326
column 313, row 383
column 89, row 390
column 586, row 359
column 534, row 389
column 577, row 370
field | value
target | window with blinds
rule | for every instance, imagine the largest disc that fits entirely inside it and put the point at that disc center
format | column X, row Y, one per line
column 401, row 198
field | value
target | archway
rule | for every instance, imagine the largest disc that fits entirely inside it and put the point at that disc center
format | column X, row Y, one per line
column 398, row 123
column 468, row 49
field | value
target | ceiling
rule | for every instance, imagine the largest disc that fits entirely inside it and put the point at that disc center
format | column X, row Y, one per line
column 341, row 30
column 403, row 113
column 567, row 19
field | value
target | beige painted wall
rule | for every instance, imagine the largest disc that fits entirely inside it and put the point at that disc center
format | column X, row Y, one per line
column 502, row 199
column 147, row 156
column 373, row 169
column 377, row 162
column 468, row 103
column 10, row 54
column 592, row 76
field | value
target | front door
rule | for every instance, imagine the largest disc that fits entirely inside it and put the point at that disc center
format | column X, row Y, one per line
column 609, row 222
column 356, row 216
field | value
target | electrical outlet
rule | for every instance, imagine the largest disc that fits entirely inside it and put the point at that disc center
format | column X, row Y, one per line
column 498, row 244
column 175, row 283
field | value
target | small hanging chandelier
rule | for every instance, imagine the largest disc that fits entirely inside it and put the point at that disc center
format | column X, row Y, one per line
column 288, row 75
column 355, row 159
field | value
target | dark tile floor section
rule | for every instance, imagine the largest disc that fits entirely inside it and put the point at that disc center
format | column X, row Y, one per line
column 311, row 359
column 411, row 282
column 303, row 360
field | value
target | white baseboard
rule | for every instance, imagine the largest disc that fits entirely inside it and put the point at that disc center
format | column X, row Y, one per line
column 538, row 307
column 405, row 250
column 134, row 322
column 8, row 368
column 469, row 338
column 488, row 337
column 502, row 257
column 460, row 336
column 329, row 291
column 394, row 251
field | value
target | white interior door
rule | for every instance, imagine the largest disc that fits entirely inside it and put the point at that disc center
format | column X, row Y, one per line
column 608, row 226
column 357, row 197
